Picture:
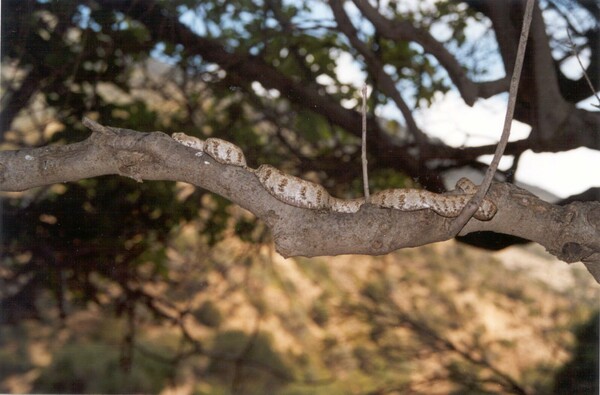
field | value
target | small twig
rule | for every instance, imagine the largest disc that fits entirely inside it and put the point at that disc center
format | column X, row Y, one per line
column 364, row 144
column 474, row 203
column 587, row 78
column 96, row 127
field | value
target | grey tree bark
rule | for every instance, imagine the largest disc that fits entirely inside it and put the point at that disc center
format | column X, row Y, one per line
column 570, row 232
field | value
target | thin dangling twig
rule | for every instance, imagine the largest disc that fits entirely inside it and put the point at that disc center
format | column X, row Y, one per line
column 364, row 144
column 470, row 208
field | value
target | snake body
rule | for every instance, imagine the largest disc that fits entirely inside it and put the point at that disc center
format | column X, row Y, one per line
column 293, row 190
column 220, row 150
column 306, row 194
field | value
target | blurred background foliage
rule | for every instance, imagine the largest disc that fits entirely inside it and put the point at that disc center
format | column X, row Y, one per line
column 112, row 286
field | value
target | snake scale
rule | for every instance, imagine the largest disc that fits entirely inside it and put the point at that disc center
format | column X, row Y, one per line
column 305, row 194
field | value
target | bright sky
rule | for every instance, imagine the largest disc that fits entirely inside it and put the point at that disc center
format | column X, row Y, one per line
column 452, row 121
column 562, row 174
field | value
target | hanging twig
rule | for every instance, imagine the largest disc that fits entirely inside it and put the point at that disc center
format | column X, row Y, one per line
column 364, row 143
column 470, row 208
column 587, row 78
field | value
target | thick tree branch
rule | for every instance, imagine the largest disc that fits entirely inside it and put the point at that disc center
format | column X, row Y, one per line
column 570, row 232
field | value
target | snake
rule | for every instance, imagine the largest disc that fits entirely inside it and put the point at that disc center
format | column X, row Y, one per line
column 302, row 193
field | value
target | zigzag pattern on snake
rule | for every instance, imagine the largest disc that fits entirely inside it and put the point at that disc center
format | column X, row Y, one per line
column 306, row 194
